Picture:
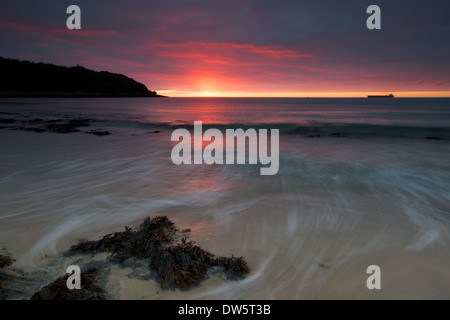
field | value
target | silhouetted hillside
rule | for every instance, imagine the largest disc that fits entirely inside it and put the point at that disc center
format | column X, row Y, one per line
column 29, row 79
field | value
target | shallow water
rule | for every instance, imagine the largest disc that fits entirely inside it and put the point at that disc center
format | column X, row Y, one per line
column 375, row 195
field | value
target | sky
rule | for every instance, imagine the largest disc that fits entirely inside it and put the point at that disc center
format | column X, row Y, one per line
column 282, row 48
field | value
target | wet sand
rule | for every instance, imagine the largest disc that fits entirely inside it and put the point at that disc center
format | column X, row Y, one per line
column 58, row 189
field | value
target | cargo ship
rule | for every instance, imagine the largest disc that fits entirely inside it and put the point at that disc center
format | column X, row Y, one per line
column 385, row 96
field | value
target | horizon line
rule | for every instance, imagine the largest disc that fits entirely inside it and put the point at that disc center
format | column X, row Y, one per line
column 305, row 97
column 331, row 94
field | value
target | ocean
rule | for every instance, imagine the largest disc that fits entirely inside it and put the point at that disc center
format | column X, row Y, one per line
column 361, row 182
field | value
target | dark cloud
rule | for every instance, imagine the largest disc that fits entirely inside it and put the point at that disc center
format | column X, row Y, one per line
column 284, row 45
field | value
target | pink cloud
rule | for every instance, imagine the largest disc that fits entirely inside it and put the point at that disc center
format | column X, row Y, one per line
column 267, row 51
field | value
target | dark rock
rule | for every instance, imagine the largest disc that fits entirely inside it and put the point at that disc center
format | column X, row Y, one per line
column 7, row 121
column 309, row 132
column 338, row 134
column 54, row 121
column 80, row 123
column 57, row 290
column 5, row 261
column 30, row 129
column 300, row 130
column 56, row 126
column 61, row 128
column 314, row 136
column 99, row 132
column 433, row 138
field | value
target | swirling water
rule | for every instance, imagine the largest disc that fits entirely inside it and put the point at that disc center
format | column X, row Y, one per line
column 358, row 184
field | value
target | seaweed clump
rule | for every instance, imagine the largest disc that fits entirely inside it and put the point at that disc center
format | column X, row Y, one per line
column 140, row 244
column 174, row 265
column 186, row 264
column 5, row 261
column 57, row 290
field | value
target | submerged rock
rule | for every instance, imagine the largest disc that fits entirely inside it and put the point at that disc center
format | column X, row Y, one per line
column 99, row 132
column 55, row 126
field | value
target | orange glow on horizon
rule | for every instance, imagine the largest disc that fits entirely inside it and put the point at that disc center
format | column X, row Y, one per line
column 215, row 69
column 228, row 69
column 238, row 94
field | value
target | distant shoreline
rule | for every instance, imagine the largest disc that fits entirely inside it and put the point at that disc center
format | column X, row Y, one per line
column 82, row 95
column 25, row 79
column 70, row 95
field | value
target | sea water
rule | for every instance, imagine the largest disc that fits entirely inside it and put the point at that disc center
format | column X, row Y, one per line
column 361, row 182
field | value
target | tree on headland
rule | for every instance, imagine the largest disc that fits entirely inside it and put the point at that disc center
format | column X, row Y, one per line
column 30, row 79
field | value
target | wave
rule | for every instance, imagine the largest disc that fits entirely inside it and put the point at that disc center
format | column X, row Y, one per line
column 316, row 130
